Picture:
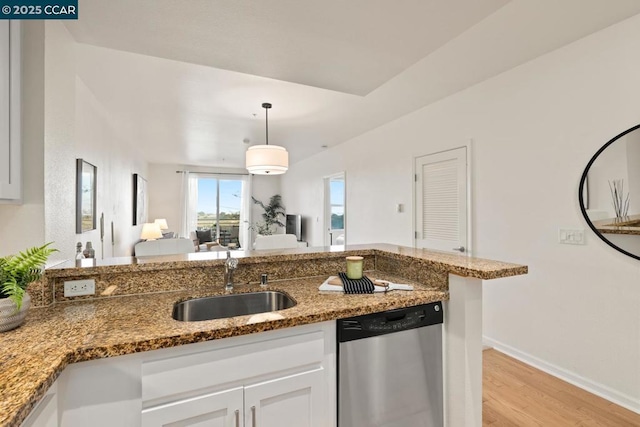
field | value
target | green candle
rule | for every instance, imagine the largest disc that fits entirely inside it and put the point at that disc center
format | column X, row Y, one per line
column 354, row 267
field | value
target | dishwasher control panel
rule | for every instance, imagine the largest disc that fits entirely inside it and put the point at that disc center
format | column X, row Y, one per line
column 403, row 319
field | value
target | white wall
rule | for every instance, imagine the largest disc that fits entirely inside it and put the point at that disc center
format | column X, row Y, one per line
column 262, row 188
column 77, row 126
column 22, row 225
column 534, row 128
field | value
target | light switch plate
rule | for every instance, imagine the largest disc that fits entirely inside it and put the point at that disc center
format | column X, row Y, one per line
column 571, row 236
column 75, row 288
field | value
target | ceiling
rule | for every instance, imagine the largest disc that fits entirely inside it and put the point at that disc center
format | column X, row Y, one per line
column 349, row 46
column 185, row 79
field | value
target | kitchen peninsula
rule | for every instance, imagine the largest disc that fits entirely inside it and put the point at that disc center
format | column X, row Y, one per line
column 130, row 312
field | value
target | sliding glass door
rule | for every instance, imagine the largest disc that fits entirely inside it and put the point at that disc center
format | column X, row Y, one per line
column 219, row 203
column 220, row 208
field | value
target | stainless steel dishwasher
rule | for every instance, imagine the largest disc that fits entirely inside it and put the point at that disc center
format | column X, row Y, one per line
column 390, row 368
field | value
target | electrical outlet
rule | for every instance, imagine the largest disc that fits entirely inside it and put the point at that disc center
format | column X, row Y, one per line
column 74, row 288
column 570, row 236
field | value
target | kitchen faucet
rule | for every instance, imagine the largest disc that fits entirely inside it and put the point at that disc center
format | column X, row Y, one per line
column 229, row 267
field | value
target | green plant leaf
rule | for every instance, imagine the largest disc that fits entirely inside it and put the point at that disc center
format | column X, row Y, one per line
column 274, row 213
column 18, row 271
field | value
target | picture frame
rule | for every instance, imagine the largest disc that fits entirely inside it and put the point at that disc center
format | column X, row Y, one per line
column 86, row 189
column 139, row 200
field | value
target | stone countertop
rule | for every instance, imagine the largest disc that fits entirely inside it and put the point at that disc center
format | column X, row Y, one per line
column 33, row 356
column 629, row 225
column 454, row 263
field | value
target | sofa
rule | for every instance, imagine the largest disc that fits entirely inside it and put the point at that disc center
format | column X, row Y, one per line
column 164, row 247
column 276, row 241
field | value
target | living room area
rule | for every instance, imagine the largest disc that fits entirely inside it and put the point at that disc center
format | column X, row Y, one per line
column 213, row 207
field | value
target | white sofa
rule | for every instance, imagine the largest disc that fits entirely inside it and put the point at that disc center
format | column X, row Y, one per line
column 164, row 247
column 275, row 241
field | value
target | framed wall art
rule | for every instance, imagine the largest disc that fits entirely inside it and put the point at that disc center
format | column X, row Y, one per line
column 139, row 200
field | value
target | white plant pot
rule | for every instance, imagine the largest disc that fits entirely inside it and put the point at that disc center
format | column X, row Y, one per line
column 10, row 318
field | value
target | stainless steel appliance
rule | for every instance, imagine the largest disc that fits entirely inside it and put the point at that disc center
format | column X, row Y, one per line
column 294, row 226
column 390, row 368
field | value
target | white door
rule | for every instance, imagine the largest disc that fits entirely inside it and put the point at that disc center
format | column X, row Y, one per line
column 335, row 209
column 222, row 409
column 293, row 401
column 441, row 194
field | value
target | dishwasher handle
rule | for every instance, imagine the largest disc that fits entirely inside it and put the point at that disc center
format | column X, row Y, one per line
column 395, row 317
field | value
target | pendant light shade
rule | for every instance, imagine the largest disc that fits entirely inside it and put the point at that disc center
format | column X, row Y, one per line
column 267, row 159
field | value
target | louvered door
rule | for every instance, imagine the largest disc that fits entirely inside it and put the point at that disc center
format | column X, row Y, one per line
column 441, row 201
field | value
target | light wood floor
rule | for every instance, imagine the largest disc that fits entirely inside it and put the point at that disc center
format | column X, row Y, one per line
column 515, row 394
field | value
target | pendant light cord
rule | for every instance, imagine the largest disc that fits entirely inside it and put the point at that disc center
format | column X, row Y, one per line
column 266, row 107
column 266, row 110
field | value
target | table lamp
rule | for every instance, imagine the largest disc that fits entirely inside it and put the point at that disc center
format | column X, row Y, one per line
column 151, row 231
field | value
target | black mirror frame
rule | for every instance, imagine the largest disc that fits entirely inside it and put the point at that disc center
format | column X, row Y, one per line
column 581, row 186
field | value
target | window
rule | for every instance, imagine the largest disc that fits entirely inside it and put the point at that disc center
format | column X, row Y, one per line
column 337, row 203
column 217, row 202
column 335, row 233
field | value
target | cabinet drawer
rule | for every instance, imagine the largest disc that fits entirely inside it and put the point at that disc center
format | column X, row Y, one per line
column 177, row 377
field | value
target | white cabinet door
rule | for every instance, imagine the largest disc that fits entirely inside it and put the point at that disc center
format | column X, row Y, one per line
column 45, row 414
column 5, row 98
column 222, row 409
column 10, row 155
column 293, row 401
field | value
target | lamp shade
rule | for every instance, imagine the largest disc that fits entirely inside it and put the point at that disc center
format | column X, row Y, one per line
column 267, row 160
column 162, row 223
column 151, row 231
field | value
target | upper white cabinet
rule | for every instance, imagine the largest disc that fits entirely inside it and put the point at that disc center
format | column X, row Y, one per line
column 10, row 144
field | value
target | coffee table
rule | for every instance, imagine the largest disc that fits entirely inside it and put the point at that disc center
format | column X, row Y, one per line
column 210, row 245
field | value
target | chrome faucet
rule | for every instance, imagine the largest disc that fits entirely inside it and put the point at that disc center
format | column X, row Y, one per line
column 229, row 267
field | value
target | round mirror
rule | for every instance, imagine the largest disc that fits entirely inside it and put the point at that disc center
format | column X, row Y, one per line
column 610, row 192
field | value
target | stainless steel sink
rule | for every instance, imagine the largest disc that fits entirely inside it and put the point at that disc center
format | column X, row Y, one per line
column 222, row 306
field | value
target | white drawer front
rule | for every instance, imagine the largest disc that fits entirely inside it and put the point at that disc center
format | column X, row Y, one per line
column 168, row 379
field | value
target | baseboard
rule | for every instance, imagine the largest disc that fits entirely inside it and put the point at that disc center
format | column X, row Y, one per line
column 572, row 378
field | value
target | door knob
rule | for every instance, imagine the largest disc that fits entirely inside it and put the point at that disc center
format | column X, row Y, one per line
column 460, row 249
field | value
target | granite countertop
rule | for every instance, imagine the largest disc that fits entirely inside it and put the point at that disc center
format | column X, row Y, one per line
column 454, row 263
column 52, row 337
column 32, row 356
column 625, row 225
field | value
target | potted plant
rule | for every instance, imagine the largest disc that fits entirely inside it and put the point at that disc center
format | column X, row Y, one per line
column 16, row 273
column 273, row 212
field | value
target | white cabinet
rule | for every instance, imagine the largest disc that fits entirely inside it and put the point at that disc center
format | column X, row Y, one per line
column 277, row 382
column 287, row 375
column 45, row 414
column 222, row 409
column 296, row 400
column 10, row 145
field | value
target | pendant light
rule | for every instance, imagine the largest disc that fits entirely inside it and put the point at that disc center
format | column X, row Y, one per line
column 267, row 159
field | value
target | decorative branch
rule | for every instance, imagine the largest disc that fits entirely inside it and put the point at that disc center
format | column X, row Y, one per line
column 620, row 202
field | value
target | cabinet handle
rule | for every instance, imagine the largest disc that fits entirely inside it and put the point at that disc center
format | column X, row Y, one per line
column 237, row 418
column 253, row 417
